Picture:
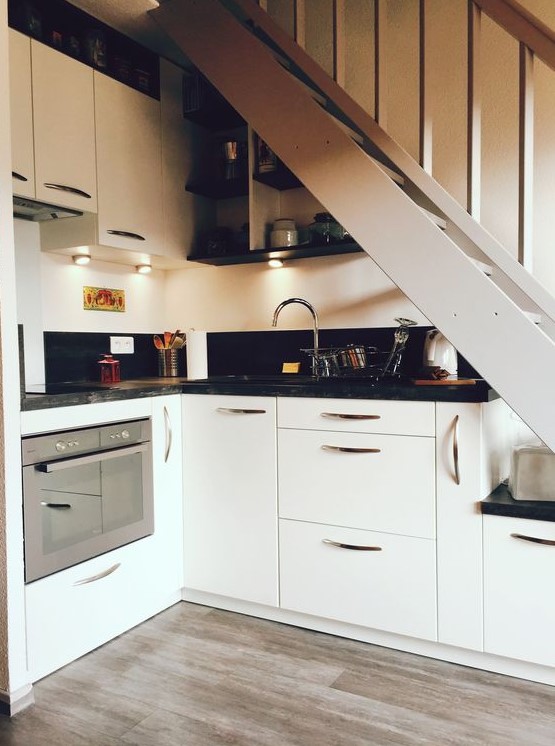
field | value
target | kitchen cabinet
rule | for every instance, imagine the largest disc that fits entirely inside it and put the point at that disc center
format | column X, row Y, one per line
column 519, row 567
column 230, row 496
column 473, row 444
column 64, row 129
column 357, row 512
column 21, row 112
column 74, row 611
column 52, row 122
column 129, row 167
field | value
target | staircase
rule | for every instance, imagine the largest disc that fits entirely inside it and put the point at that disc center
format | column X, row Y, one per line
column 502, row 320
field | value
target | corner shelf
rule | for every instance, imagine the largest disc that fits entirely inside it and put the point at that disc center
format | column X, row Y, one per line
column 220, row 189
column 291, row 252
column 282, row 178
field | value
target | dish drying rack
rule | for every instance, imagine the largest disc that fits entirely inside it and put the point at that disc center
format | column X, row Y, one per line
column 362, row 360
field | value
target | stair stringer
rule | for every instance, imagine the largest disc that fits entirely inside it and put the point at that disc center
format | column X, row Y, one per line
column 485, row 325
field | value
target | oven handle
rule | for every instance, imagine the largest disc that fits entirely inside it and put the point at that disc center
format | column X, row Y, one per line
column 93, row 458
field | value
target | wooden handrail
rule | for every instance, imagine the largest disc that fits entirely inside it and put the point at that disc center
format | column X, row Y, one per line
column 525, row 27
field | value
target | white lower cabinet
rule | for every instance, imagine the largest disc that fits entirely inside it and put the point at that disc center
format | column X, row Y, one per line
column 230, row 501
column 372, row 579
column 519, row 572
column 74, row 611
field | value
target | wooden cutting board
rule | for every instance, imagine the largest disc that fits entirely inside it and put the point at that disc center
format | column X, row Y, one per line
column 444, row 381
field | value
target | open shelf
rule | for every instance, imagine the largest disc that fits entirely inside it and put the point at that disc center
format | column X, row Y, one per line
column 291, row 252
column 220, row 189
column 282, row 178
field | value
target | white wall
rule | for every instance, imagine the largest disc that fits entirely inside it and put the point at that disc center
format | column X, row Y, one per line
column 347, row 291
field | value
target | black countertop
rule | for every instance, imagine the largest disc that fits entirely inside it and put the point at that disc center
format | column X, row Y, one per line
column 500, row 502
column 284, row 385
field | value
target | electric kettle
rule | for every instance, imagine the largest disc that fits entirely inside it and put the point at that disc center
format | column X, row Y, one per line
column 440, row 353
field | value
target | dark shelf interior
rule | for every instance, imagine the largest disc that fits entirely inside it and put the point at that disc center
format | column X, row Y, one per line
column 291, row 252
column 220, row 189
column 204, row 105
column 282, row 178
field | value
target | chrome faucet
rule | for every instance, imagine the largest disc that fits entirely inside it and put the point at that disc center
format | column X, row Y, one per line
column 312, row 310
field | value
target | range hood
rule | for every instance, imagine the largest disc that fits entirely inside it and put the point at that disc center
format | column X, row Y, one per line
column 29, row 209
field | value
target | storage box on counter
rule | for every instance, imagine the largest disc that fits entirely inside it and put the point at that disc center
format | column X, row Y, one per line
column 532, row 474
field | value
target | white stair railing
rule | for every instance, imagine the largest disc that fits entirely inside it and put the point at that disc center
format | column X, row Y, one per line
column 324, row 137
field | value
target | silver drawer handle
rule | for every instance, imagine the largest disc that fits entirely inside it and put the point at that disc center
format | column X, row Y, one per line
column 100, row 575
column 19, row 177
column 356, row 547
column 126, row 234
column 70, row 189
column 534, row 539
column 60, row 506
column 231, row 410
column 346, row 449
column 456, row 450
column 340, row 416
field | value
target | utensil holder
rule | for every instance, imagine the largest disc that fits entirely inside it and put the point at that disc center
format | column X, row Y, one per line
column 168, row 363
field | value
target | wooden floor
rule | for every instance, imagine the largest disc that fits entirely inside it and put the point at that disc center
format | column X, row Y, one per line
column 195, row 676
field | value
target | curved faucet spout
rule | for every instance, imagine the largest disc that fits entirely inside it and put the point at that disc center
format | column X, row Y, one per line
column 312, row 310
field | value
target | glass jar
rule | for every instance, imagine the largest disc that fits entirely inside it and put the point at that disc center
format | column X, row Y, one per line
column 325, row 229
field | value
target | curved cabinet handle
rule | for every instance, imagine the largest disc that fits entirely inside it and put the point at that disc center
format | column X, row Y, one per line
column 19, row 177
column 59, row 506
column 340, row 416
column 103, row 574
column 355, row 547
column 70, row 189
column 456, row 450
column 231, row 410
column 347, row 449
column 126, row 234
column 534, row 539
column 168, row 431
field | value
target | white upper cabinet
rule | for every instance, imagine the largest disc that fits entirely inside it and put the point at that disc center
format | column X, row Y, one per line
column 21, row 110
column 129, row 167
column 63, row 111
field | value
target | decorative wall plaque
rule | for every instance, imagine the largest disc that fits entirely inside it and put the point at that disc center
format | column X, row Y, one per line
column 103, row 299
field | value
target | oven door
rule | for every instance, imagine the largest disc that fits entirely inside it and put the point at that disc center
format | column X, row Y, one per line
column 77, row 508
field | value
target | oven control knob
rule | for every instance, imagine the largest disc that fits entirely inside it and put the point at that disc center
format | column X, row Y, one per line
column 125, row 434
column 60, row 445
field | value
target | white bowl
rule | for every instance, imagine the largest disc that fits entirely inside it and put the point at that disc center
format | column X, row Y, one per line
column 281, row 238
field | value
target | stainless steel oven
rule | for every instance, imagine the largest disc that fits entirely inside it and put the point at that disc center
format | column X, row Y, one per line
column 85, row 492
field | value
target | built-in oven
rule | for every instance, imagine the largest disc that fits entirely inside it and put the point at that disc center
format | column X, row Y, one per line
column 85, row 492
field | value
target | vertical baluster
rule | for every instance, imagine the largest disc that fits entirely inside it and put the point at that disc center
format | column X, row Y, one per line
column 300, row 23
column 425, row 96
column 474, row 164
column 526, row 157
column 339, row 42
column 380, row 71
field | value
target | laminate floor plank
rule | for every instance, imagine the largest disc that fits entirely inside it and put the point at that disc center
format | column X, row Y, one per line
column 195, row 676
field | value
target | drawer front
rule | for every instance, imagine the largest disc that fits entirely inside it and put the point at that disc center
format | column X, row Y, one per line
column 67, row 617
column 376, row 482
column 358, row 415
column 519, row 613
column 391, row 589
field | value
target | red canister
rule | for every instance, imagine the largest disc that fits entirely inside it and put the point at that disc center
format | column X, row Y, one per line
column 109, row 369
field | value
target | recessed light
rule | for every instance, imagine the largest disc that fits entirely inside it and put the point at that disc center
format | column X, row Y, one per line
column 275, row 263
column 143, row 269
column 81, row 259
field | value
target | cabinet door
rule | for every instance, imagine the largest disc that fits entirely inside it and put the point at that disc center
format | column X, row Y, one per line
column 129, row 167
column 459, row 524
column 230, row 501
column 391, row 587
column 63, row 111
column 519, row 567
column 21, row 111
column 168, row 491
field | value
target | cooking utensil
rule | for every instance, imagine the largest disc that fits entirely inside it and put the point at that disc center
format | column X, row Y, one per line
column 167, row 339
column 158, row 342
column 177, row 342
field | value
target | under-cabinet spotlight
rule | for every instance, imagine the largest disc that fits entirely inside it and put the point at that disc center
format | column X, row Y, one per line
column 143, row 269
column 81, row 259
column 275, row 263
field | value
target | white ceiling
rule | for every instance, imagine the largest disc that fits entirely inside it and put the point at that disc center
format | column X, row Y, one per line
column 131, row 18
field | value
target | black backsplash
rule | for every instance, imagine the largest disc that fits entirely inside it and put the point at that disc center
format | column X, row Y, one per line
column 73, row 356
